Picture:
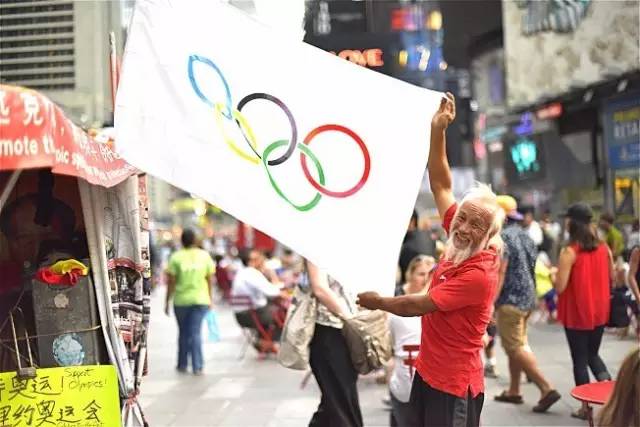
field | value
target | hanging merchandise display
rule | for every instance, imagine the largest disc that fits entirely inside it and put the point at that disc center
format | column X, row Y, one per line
column 72, row 295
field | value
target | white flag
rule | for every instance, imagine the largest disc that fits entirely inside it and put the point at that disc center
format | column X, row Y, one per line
column 322, row 154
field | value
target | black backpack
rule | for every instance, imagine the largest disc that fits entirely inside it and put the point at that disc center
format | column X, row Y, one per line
column 618, row 315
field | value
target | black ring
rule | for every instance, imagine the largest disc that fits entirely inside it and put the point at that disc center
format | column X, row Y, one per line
column 294, row 130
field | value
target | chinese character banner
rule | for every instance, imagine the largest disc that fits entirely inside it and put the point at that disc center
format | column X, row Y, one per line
column 35, row 133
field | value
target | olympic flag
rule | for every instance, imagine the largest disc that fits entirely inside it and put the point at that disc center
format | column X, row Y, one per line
column 321, row 154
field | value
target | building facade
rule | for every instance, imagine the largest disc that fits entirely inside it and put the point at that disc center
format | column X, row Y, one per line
column 556, row 121
column 61, row 48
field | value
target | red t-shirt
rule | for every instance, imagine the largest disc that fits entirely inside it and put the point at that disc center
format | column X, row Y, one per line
column 449, row 358
column 584, row 304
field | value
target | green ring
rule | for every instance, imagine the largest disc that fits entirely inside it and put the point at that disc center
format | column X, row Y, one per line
column 265, row 157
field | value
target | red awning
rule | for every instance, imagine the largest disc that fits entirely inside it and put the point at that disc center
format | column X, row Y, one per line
column 35, row 133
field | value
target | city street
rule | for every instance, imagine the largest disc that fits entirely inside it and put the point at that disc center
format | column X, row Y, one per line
column 252, row 392
column 452, row 147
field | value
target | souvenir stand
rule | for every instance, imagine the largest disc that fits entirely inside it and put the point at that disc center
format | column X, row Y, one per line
column 74, row 268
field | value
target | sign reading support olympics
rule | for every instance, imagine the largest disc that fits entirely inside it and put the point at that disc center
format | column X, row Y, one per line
column 225, row 111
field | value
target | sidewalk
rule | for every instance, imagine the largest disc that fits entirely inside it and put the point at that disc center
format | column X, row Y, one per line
column 252, row 392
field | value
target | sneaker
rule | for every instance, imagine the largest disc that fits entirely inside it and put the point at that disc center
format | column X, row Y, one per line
column 181, row 370
column 490, row 371
column 386, row 401
column 198, row 373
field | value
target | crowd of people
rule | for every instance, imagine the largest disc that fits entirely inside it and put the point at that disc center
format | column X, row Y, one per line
column 484, row 275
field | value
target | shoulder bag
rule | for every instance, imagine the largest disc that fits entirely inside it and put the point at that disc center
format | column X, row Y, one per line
column 298, row 329
column 369, row 340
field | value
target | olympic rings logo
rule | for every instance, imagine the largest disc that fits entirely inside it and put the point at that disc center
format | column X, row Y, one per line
column 224, row 110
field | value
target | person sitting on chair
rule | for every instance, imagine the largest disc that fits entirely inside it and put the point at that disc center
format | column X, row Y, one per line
column 252, row 284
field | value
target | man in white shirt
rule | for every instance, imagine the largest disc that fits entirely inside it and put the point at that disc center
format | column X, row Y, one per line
column 532, row 227
column 250, row 294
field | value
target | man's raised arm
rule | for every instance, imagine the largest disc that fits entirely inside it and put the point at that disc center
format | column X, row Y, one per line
column 438, row 165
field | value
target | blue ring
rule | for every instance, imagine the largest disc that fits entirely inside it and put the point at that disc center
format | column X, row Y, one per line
column 196, row 88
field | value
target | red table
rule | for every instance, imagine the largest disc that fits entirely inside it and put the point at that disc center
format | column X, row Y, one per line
column 593, row 393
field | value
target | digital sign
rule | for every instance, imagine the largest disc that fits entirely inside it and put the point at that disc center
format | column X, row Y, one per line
column 524, row 158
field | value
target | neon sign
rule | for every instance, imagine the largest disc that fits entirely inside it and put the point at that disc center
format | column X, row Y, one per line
column 524, row 155
column 366, row 57
column 526, row 125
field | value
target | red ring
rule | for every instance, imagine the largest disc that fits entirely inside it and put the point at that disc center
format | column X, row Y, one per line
column 365, row 153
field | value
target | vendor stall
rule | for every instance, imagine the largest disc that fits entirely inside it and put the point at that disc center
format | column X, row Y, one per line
column 74, row 264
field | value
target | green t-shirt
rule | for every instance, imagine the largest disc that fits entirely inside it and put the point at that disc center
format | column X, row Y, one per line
column 191, row 267
column 615, row 241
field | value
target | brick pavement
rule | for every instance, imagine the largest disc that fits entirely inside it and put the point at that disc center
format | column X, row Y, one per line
column 252, row 392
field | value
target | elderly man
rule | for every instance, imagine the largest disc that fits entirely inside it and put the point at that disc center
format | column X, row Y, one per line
column 448, row 389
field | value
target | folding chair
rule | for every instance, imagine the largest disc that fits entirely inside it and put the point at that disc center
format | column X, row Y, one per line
column 410, row 360
column 244, row 302
column 223, row 282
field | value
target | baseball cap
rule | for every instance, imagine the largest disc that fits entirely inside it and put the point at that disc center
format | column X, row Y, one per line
column 509, row 206
column 579, row 212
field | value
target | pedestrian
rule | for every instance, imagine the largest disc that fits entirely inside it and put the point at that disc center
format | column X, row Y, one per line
column 623, row 407
column 633, row 239
column 531, row 226
column 329, row 357
column 516, row 300
column 416, row 242
column 406, row 331
column 612, row 235
column 189, row 278
column 258, row 312
column 490, row 368
column 633, row 282
column 546, row 294
column 223, row 277
column 585, row 271
column 552, row 233
column 448, row 388
column 633, row 276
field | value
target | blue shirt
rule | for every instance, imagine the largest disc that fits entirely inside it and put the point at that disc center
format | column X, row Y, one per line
column 519, row 282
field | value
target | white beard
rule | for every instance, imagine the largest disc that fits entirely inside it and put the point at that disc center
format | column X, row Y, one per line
column 458, row 256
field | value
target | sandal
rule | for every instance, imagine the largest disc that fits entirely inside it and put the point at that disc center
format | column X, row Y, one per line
column 507, row 398
column 545, row 403
column 581, row 414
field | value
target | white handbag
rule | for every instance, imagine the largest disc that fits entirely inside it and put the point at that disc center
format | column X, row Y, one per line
column 299, row 327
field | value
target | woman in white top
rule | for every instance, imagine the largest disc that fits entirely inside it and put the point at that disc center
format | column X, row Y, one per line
column 329, row 355
column 406, row 331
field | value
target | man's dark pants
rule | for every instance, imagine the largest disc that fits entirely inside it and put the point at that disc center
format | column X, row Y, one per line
column 435, row 408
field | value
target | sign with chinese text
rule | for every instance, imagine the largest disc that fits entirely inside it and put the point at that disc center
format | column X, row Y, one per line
column 35, row 133
column 78, row 396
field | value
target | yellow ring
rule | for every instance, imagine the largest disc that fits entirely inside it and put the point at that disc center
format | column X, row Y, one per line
column 237, row 115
